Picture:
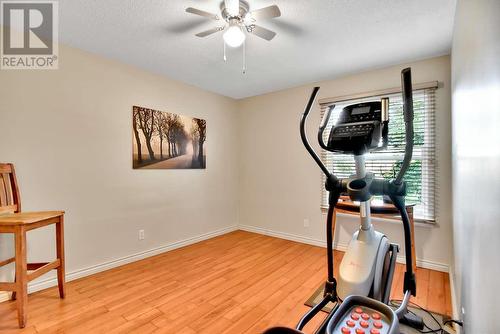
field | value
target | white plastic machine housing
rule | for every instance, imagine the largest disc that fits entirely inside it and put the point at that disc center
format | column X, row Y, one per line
column 362, row 265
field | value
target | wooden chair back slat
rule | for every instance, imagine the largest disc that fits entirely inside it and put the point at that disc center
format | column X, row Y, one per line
column 7, row 197
column 3, row 191
column 10, row 201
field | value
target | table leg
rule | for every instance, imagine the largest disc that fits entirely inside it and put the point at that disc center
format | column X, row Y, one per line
column 13, row 296
column 21, row 275
column 60, row 255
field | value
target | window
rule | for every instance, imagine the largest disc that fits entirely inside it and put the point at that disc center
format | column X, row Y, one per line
column 422, row 172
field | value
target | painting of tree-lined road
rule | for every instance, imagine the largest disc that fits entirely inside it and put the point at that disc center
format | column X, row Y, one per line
column 165, row 140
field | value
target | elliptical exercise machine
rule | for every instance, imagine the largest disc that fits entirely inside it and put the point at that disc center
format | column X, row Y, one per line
column 362, row 292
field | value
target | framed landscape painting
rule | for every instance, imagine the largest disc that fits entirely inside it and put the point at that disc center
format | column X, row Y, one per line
column 164, row 140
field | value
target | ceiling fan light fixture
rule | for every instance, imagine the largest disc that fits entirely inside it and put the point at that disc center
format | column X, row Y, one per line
column 234, row 36
column 238, row 21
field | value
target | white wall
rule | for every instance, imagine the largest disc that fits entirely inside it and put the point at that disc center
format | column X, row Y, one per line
column 280, row 183
column 69, row 134
column 476, row 162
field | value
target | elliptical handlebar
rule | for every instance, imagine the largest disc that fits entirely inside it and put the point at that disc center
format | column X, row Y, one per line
column 324, row 123
column 303, row 135
column 407, row 91
column 399, row 199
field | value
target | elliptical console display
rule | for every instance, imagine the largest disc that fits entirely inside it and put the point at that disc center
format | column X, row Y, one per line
column 360, row 128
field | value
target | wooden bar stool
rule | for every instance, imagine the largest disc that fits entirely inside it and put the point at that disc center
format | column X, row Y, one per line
column 12, row 220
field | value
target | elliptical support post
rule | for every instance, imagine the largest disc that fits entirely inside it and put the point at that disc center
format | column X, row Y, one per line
column 364, row 207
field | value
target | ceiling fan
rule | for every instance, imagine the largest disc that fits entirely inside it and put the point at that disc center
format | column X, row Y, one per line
column 237, row 19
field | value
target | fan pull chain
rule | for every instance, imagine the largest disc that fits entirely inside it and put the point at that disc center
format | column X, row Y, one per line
column 225, row 58
column 244, row 57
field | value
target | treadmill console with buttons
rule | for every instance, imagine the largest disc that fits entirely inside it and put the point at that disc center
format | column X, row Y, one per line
column 360, row 128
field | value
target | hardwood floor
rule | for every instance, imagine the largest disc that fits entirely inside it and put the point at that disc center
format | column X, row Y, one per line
column 236, row 283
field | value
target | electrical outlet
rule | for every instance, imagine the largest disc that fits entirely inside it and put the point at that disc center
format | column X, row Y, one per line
column 306, row 222
column 141, row 235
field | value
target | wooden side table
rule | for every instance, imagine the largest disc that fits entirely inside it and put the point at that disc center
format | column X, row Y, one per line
column 385, row 211
column 18, row 223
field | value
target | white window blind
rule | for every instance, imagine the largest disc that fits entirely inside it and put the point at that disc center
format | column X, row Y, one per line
column 421, row 175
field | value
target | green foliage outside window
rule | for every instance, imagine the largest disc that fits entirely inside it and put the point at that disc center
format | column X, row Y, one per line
column 413, row 176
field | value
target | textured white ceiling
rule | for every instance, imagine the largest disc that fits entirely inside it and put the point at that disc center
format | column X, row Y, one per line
column 317, row 39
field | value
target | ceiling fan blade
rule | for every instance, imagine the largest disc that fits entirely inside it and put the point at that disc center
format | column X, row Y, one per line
column 266, row 13
column 232, row 7
column 209, row 32
column 261, row 32
column 200, row 12
column 184, row 27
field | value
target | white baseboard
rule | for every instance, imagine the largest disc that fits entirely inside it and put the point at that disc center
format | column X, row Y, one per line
column 283, row 235
column 338, row 246
column 50, row 282
column 4, row 296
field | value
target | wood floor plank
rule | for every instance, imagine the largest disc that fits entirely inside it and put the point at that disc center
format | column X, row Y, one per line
column 397, row 282
column 240, row 282
column 447, row 295
column 422, row 276
column 436, row 292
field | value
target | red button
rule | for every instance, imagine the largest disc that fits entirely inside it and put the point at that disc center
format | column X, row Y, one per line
column 350, row 323
column 376, row 316
column 374, row 331
column 355, row 316
column 345, row 330
column 377, row 324
column 364, row 324
column 359, row 331
column 358, row 310
column 365, row 316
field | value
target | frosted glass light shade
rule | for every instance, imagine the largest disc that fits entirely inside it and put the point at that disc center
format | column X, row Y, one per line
column 234, row 37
